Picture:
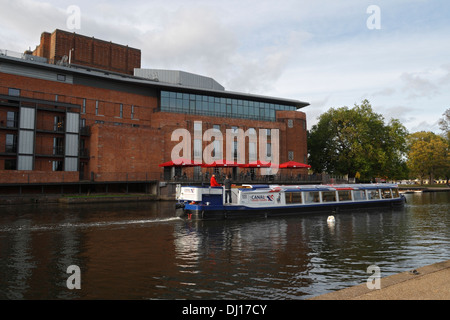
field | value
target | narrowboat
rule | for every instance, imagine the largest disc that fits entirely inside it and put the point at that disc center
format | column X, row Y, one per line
column 249, row 201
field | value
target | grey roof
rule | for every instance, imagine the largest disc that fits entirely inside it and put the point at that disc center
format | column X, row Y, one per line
column 179, row 77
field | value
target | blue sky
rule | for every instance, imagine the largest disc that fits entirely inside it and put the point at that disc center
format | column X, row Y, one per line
column 318, row 51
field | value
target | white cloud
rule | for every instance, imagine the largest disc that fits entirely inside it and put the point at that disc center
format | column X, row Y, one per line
column 317, row 51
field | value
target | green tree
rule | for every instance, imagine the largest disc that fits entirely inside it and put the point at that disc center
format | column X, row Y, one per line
column 428, row 155
column 444, row 124
column 357, row 142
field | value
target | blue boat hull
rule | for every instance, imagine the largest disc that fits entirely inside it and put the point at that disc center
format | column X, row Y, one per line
column 216, row 212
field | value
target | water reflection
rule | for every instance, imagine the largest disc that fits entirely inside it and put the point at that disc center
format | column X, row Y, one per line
column 141, row 251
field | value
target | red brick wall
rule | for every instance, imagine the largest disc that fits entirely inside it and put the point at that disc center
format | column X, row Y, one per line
column 291, row 139
column 7, row 176
column 88, row 51
column 118, row 150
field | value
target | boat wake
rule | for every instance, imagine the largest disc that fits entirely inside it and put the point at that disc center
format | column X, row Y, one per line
column 85, row 225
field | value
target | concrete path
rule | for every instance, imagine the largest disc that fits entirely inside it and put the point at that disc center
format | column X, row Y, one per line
column 427, row 283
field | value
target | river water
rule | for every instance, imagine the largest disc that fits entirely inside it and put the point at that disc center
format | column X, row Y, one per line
column 141, row 251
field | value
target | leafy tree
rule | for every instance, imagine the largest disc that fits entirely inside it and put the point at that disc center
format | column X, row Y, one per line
column 428, row 155
column 444, row 124
column 357, row 142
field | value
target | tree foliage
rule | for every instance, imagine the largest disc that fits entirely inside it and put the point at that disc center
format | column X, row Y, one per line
column 357, row 142
column 444, row 124
column 428, row 156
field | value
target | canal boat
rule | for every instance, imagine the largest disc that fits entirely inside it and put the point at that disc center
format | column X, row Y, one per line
column 249, row 201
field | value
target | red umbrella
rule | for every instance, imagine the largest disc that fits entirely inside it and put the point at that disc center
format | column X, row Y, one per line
column 180, row 163
column 258, row 164
column 293, row 164
column 222, row 163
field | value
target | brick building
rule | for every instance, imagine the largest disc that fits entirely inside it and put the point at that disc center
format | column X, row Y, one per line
column 62, row 47
column 102, row 118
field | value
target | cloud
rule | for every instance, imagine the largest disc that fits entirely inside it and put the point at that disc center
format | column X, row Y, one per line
column 417, row 86
column 320, row 51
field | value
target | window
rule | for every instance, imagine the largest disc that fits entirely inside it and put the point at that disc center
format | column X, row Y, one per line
column 328, row 196
column 58, row 146
column 345, row 195
column 83, row 108
column 373, row 194
column 14, row 92
column 386, row 193
column 219, row 106
column 235, row 150
column 269, row 150
column 10, row 164
column 11, row 119
column 57, row 165
column 359, row 195
column 11, row 143
column 197, row 126
column 96, row 108
column 290, row 123
column 293, row 197
column 198, row 149
column 58, row 124
column 311, row 197
column 121, row 111
column 291, row 155
column 132, row 112
column 61, row 77
column 395, row 193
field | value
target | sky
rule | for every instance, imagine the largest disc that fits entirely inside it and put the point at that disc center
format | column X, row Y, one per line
column 330, row 53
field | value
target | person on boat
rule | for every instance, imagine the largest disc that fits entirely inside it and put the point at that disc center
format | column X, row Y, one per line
column 227, row 184
column 214, row 182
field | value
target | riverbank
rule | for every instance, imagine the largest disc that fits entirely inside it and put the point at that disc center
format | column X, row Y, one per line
column 74, row 199
column 427, row 283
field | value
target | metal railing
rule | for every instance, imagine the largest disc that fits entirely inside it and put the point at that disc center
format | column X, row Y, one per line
column 256, row 178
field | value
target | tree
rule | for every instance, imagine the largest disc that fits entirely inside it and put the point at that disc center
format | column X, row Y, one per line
column 428, row 155
column 357, row 142
column 444, row 124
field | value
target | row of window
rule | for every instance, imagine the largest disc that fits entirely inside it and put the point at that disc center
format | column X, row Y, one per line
column 99, row 105
column 11, row 164
column 343, row 195
column 221, row 107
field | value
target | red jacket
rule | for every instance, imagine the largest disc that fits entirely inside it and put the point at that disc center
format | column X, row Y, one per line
column 214, row 182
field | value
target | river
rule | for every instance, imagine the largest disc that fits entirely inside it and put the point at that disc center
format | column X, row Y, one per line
column 141, row 251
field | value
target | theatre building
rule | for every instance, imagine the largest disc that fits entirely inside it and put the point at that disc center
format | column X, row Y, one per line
column 79, row 110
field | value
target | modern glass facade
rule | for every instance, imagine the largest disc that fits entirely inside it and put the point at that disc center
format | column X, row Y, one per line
column 220, row 107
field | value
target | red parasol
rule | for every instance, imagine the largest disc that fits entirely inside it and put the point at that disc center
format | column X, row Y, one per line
column 222, row 163
column 293, row 164
column 180, row 163
column 258, row 164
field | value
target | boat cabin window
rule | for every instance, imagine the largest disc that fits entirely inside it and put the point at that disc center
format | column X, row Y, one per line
column 293, row 197
column 345, row 195
column 311, row 197
column 395, row 193
column 386, row 193
column 373, row 194
column 328, row 196
column 359, row 195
